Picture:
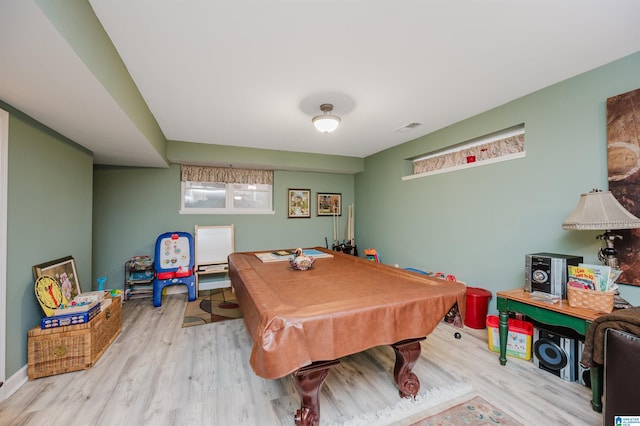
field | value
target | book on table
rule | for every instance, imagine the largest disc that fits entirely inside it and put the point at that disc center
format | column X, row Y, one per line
column 591, row 277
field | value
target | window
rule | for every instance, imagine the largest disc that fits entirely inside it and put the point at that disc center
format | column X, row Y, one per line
column 220, row 190
column 507, row 144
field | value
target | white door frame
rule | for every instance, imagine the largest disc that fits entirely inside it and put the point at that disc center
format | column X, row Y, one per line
column 4, row 165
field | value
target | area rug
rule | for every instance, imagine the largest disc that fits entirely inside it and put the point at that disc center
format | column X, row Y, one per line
column 453, row 405
column 407, row 409
column 211, row 306
column 475, row 412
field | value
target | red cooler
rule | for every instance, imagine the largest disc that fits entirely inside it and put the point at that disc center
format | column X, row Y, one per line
column 477, row 306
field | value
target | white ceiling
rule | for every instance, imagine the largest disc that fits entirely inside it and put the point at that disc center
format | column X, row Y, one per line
column 254, row 73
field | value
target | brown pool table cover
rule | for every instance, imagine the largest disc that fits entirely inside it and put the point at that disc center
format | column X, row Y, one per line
column 343, row 305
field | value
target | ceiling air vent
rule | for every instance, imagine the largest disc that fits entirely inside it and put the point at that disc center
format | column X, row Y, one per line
column 407, row 127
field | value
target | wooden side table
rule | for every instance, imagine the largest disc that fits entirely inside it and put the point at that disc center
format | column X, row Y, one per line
column 555, row 314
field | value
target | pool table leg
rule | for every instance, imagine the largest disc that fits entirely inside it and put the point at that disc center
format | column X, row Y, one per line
column 407, row 353
column 308, row 381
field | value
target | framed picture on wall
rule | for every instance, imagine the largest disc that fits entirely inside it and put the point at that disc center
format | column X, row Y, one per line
column 329, row 204
column 298, row 203
column 64, row 271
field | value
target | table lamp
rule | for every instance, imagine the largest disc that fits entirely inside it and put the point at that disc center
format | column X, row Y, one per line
column 600, row 211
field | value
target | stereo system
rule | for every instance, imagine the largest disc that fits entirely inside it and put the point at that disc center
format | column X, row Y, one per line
column 547, row 272
column 553, row 351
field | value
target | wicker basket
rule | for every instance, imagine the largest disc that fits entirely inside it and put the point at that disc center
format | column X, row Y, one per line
column 601, row 301
column 72, row 347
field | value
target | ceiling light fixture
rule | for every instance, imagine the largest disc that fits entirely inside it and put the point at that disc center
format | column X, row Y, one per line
column 326, row 123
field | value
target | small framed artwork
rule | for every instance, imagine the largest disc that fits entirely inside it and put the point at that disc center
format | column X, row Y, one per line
column 298, row 203
column 64, row 271
column 329, row 204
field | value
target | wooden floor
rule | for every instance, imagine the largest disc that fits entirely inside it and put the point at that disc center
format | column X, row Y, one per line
column 158, row 373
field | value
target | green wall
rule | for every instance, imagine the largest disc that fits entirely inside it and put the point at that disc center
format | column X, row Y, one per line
column 50, row 184
column 132, row 206
column 479, row 223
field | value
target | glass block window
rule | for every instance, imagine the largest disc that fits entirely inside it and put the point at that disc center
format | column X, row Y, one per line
column 503, row 145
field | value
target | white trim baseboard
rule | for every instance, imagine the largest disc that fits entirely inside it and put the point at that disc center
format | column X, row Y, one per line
column 15, row 382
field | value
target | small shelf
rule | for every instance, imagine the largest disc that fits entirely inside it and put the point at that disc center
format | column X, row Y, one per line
column 138, row 277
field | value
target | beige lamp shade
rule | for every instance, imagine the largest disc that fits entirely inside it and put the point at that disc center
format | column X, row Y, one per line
column 600, row 211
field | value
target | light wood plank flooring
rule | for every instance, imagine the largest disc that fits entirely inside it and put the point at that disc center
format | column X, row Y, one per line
column 157, row 373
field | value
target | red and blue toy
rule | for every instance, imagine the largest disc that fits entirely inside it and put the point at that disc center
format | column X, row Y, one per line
column 174, row 264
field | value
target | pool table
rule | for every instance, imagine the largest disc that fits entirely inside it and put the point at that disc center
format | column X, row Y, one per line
column 302, row 322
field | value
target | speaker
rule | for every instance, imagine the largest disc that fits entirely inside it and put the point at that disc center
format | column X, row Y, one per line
column 555, row 353
column 584, row 374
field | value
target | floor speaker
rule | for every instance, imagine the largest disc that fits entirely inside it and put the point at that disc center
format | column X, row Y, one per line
column 555, row 353
column 584, row 374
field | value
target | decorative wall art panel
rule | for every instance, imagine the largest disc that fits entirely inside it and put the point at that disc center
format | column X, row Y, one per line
column 623, row 153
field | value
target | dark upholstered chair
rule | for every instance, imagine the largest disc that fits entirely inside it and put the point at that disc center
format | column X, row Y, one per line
column 621, row 375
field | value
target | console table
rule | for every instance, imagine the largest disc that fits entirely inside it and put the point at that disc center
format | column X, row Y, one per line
column 555, row 314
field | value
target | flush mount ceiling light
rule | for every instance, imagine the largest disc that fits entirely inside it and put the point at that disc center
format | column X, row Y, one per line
column 326, row 122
